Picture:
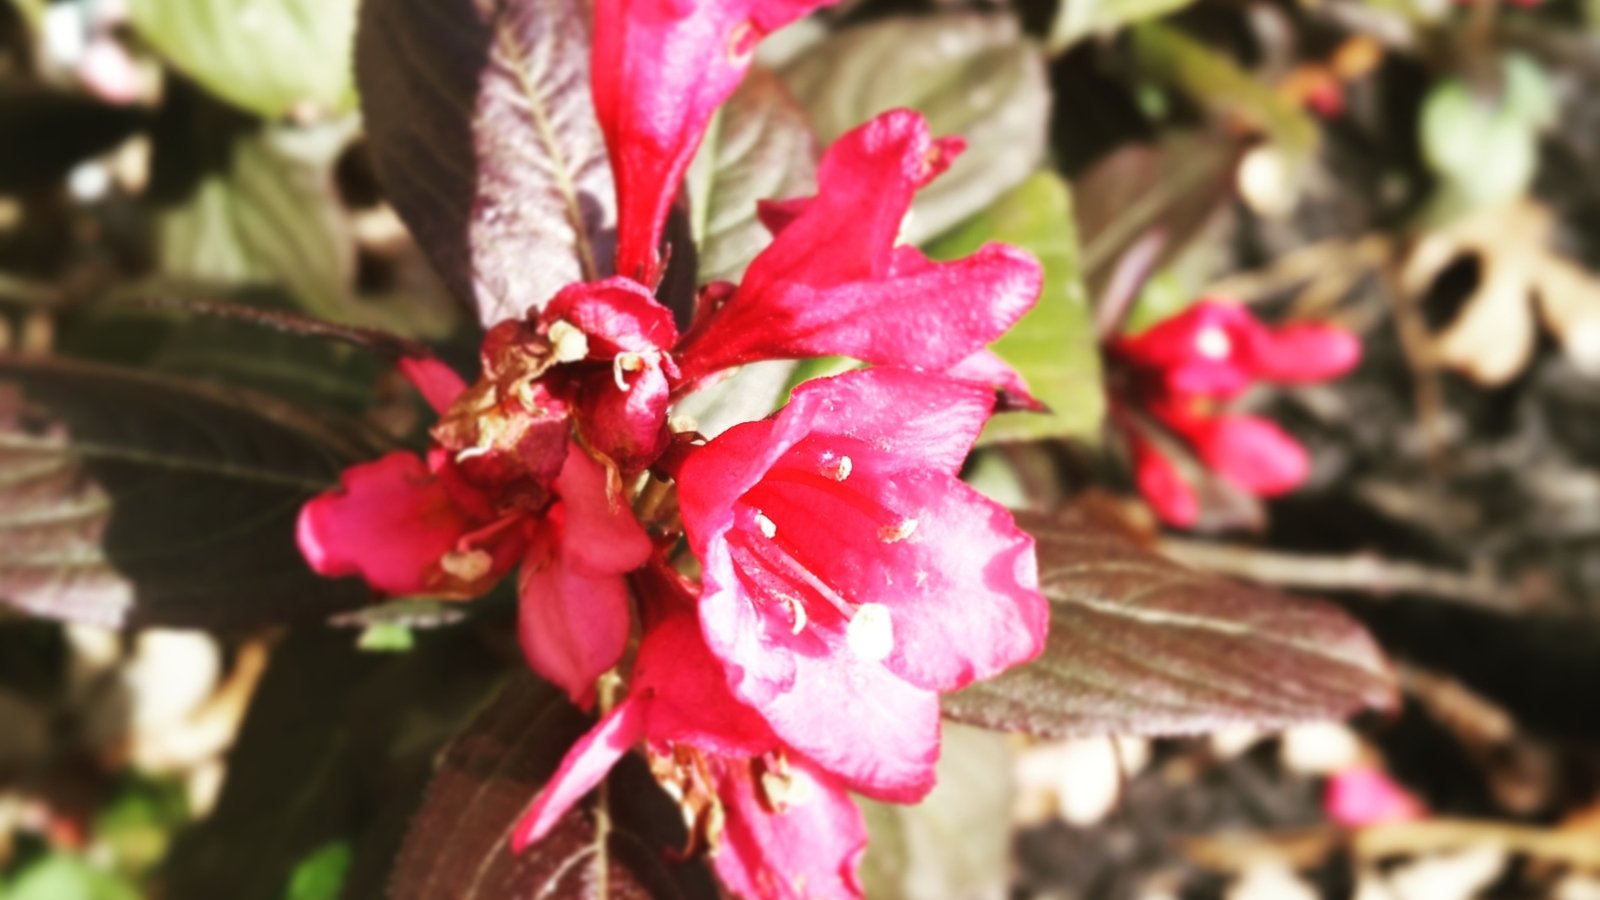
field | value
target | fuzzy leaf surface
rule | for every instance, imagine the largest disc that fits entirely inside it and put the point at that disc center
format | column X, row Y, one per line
column 484, row 137
column 129, row 500
column 459, row 842
column 1141, row 645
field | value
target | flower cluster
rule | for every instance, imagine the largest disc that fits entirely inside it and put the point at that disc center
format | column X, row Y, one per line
column 1174, row 380
column 845, row 575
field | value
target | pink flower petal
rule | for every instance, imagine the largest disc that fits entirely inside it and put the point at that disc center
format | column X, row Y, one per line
column 1362, row 796
column 808, row 848
column 581, row 770
column 660, row 69
column 1251, row 452
column 833, row 281
column 618, row 314
column 438, row 383
column 390, row 521
column 1301, row 354
column 1162, row 485
column 573, row 617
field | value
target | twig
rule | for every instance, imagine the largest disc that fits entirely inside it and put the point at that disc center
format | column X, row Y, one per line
column 1305, row 847
column 1363, row 572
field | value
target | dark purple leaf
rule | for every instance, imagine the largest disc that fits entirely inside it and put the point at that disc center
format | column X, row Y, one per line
column 127, row 499
column 484, row 137
column 459, row 848
column 1141, row 645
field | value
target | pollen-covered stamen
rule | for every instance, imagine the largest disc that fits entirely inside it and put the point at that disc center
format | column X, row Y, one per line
column 1213, row 343
column 879, row 515
column 770, row 571
column 742, row 42
column 838, row 469
column 769, row 528
column 568, row 343
column 894, row 534
column 870, row 634
column 467, row 565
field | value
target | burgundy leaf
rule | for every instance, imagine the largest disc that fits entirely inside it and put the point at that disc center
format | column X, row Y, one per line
column 129, row 499
column 1141, row 645
column 459, row 843
column 484, row 136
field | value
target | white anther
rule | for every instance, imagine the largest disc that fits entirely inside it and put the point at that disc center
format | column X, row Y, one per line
column 838, row 469
column 1213, row 343
column 870, row 634
column 797, row 613
column 892, row 534
column 567, row 341
column 769, row 528
column 467, row 565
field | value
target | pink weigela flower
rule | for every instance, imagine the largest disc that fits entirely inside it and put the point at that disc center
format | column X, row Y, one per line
column 774, row 824
column 850, row 576
column 1184, row 370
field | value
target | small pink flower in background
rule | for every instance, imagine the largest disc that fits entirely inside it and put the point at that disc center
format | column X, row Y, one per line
column 836, row 280
column 1183, row 371
column 1366, row 795
column 850, row 576
column 660, row 69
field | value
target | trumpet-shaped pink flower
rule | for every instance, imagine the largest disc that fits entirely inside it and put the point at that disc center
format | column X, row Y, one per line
column 515, row 493
column 660, row 69
column 850, row 576
column 836, row 281
column 1181, row 371
column 786, row 830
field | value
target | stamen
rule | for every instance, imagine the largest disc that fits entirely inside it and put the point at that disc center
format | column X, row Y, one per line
column 894, row 534
column 797, row 612
column 567, row 342
column 769, row 528
column 1213, row 343
column 838, row 469
column 742, row 41
column 625, row 362
column 870, row 634
column 467, row 565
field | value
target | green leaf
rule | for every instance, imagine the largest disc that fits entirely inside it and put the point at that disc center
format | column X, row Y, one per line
column 32, row 10
column 957, row 841
column 458, row 842
column 1054, row 346
column 971, row 75
column 1141, row 645
column 759, row 147
column 485, row 139
column 1079, row 19
column 1174, row 58
column 321, row 875
column 266, row 56
column 62, row 876
column 254, row 206
column 126, row 499
column 1486, row 149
